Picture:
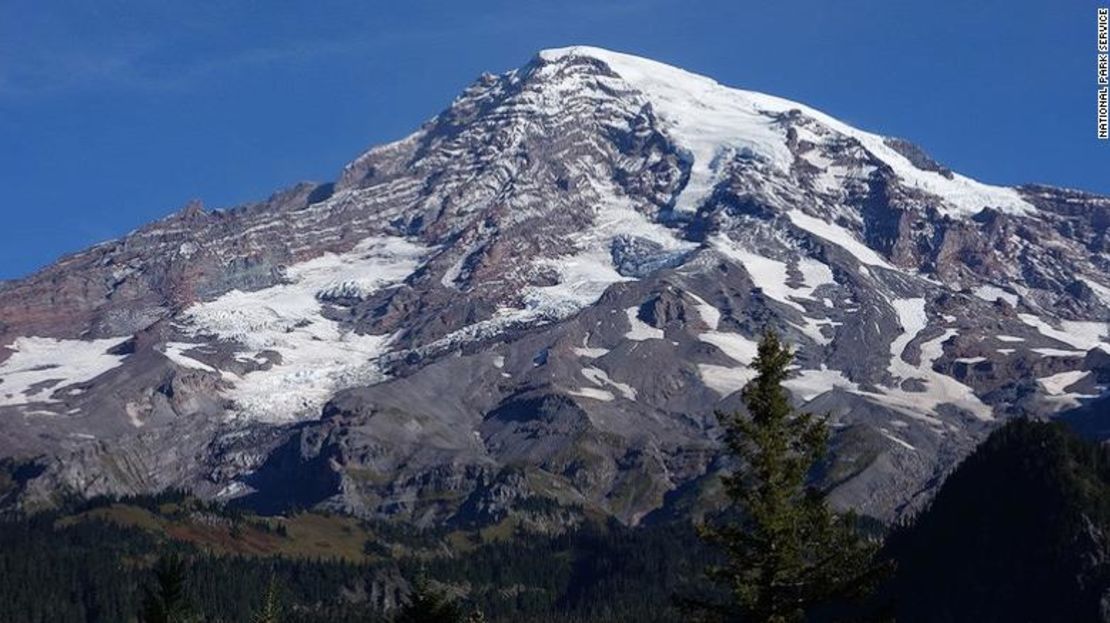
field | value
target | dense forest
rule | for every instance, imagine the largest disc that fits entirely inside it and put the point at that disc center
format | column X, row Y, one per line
column 1017, row 532
column 90, row 566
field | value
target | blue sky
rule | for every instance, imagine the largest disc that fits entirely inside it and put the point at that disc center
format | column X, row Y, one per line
column 117, row 112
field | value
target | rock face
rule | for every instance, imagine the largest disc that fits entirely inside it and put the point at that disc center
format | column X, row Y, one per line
column 545, row 292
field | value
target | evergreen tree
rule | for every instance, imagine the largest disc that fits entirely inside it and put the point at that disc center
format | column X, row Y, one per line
column 271, row 606
column 426, row 605
column 166, row 601
column 786, row 552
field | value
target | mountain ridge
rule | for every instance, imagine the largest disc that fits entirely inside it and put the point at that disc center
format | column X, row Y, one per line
column 563, row 271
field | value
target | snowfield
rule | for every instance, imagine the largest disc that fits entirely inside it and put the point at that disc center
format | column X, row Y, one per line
column 39, row 366
column 317, row 357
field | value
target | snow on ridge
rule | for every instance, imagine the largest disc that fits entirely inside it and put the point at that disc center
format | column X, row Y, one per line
column 810, row 383
column 1082, row 334
column 725, row 380
column 939, row 388
column 318, row 356
column 710, row 315
column 586, row 273
column 26, row 376
column 912, row 318
column 991, row 293
column 1057, row 384
column 711, row 120
column 593, row 392
column 638, row 330
column 839, row 236
column 771, row 276
column 599, row 377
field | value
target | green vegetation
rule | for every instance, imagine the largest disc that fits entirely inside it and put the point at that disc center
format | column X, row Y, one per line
column 98, row 562
column 166, row 601
column 787, row 553
column 1019, row 532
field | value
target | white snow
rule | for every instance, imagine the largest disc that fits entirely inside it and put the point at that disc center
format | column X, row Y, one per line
column 710, row 315
column 971, row 360
column 912, row 318
column 770, row 276
column 1101, row 291
column 815, row 273
column 583, row 278
column 737, row 347
column 599, row 377
column 318, row 357
column 175, row 352
column 812, row 383
column 886, row 433
column 767, row 274
column 134, row 413
column 586, row 351
column 38, row 360
column 1009, row 338
column 593, row 392
column 1057, row 384
column 840, row 237
column 1078, row 333
column 1058, row 352
column 723, row 379
column 585, row 274
column 712, row 121
column 638, row 329
column 993, row 293
column 939, row 388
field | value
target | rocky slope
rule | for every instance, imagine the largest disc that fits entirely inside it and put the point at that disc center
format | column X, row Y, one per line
column 545, row 291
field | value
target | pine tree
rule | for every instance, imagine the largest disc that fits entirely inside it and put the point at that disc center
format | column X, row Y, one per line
column 166, row 601
column 787, row 552
column 426, row 605
column 271, row 606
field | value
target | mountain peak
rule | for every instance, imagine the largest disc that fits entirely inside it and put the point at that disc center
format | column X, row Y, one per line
column 712, row 120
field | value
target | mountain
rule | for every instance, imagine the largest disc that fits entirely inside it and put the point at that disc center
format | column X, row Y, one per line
column 544, row 293
column 1027, row 516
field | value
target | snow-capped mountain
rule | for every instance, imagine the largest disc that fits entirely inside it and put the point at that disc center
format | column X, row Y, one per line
column 546, row 291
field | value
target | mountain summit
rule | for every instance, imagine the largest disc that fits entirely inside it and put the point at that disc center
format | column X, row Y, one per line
column 544, row 292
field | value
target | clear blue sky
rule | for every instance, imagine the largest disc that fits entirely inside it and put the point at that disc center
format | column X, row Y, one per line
column 117, row 112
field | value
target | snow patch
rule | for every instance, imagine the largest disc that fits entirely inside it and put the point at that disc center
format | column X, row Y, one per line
column 710, row 315
column 1078, row 333
column 895, row 439
column 737, row 347
column 599, row 377
column 638, row 329
column 40, row 365
column 723, row 379
column 912, row 318
column 593, row 392
column 1058, row 352
column 809, row 384
column 840, row 237
column 318, row 356
column 1057, row 384
column 992, row 293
